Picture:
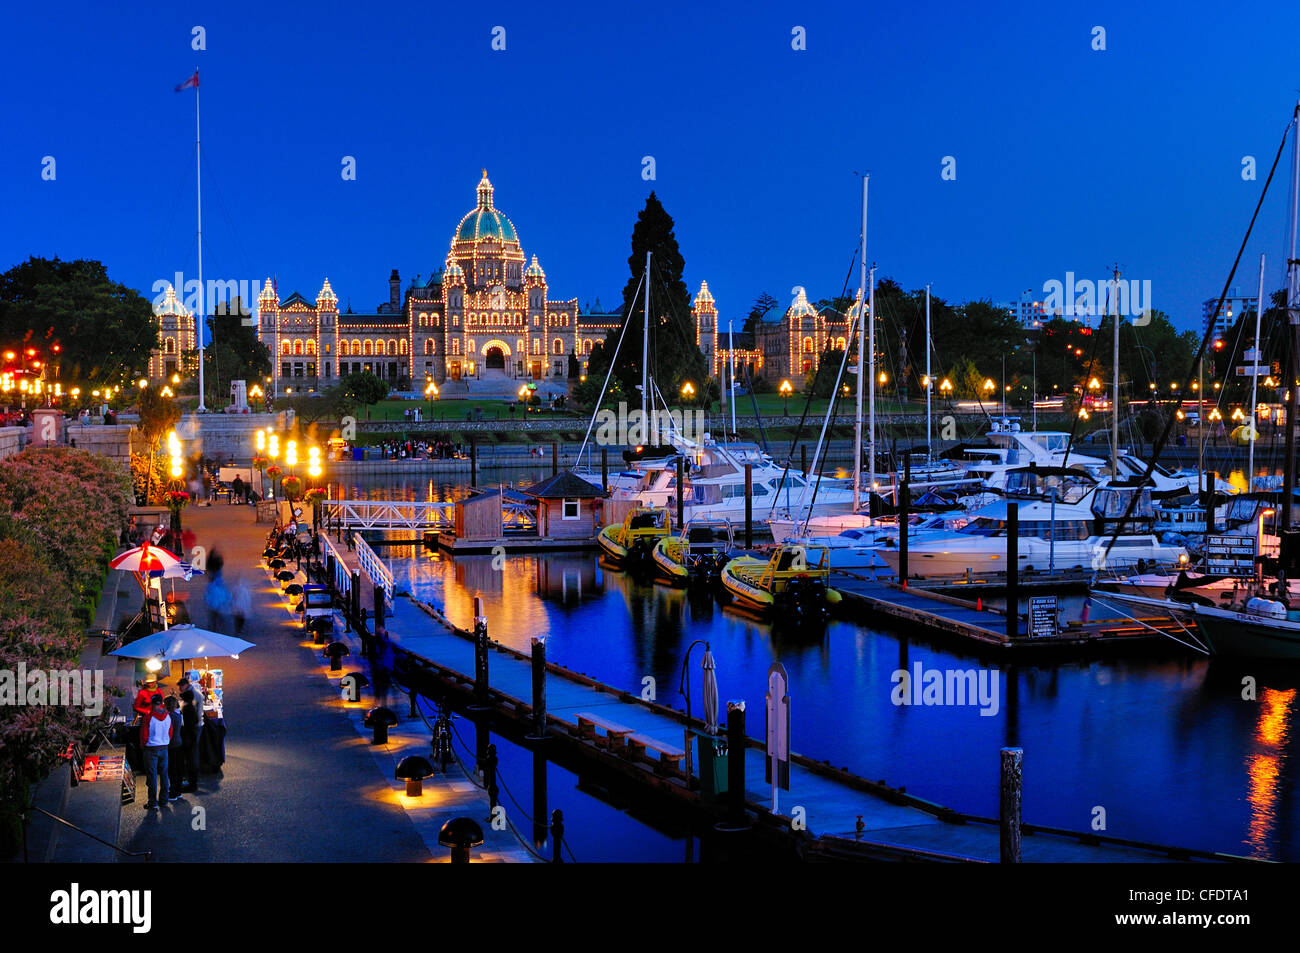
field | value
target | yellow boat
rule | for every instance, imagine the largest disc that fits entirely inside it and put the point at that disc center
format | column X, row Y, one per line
column 792, row 582
column 698, row 554
column 636, row 537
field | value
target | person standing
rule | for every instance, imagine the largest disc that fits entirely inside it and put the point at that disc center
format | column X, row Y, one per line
column 241, row 604
column 175, row 749
column 155, row 737
column 217, row 598
column 191, row 732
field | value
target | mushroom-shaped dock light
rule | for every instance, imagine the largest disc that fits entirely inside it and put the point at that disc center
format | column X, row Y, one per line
column 268, row 553
column 293, row 589
column 460, row 834
column 335, row 652
column 276, row 563
column 285, row 575
column 380, row 720
column 413, row 769
column 351, row 685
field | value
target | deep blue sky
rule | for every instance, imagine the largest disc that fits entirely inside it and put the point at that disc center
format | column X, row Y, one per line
column 1067, row 159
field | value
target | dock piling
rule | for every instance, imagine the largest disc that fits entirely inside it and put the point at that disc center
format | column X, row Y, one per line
column 480, row 656
column 354, row 592
column 473, row 464
column 803, row 458
column 1211, row 478
column 749, row 506
column 539, row 688
column 555, row 458
column 1013, row 570
column 557, row 836
column 490, row 776
column 681, row 477
column 904, row 500
column 1009, row 804
column 736, row 764
column 604, row 469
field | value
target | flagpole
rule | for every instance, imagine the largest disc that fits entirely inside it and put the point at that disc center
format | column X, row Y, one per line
column 201, row 318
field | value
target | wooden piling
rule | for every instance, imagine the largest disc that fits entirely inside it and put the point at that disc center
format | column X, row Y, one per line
column 736, row 763
column 539, row 687
column 480, row 655
column 1013, row 570
column 749, row 505
column 555, row 458
column 604, row 469
column 681, row 478
column 1012, row 780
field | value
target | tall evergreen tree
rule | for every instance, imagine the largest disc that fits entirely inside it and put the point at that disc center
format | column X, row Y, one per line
column 674, row 356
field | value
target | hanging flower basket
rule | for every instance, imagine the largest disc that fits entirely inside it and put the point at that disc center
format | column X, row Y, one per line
column 315, row 495
column 273, row 472
column 259, row 462
column 176, row 500
column 292, row 486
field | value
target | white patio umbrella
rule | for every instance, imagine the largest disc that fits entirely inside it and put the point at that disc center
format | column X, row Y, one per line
column 184, row 642
column 144, row 558
column 710, row 692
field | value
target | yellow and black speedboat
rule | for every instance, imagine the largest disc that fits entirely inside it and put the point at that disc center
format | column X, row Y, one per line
column 792, row 583
column 698, row 554
column 634, row 540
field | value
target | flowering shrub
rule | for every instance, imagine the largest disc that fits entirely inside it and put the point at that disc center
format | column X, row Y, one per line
column 61, row 511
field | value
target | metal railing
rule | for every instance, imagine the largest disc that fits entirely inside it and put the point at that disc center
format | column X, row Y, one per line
column 342, row 580
column 386, row 514
column 146, row 854
column 375, row 568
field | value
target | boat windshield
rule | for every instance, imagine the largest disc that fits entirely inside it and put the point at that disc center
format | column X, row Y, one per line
column 1111, row 502
column 1043, row 529
column 1069, row 487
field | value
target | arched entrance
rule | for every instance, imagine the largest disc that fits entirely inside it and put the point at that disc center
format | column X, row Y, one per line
column 494, row 359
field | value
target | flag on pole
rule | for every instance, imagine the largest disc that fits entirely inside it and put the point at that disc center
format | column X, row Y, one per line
column 192, row 81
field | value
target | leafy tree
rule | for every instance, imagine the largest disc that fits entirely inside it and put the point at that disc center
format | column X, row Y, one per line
column 362, row 389
column 104, row 330
column 158, row 415
column 762, row 305
column 328, row 404
column 821, row 383
column 674, row 356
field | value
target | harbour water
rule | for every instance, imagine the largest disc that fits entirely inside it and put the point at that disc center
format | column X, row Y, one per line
column 1163, row 749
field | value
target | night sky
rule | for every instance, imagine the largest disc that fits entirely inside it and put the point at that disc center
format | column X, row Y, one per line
column 1066, row 158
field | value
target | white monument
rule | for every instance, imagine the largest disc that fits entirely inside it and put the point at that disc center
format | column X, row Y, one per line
column 238, row 397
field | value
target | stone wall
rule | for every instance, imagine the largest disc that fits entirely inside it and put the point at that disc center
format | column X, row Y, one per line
column 12, row 440
column 223, row 436
column 110, row 440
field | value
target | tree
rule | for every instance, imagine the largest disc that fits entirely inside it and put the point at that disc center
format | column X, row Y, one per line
column 158, row 415
column 762, row 305
column 104, row 330
column 674, row 355
column 233, row 353
column 328, row 404
column 361, row 389
column 821, row 383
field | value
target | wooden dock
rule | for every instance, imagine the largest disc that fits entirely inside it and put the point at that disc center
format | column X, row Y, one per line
column 936, row 613
column 518, row 543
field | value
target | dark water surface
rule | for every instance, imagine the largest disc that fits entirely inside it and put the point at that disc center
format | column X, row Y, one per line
column 1166, row 747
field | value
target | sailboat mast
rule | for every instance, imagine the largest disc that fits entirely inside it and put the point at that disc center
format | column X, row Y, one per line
column 871, row 383
column 862, row 350
column 731, row 398
column 1114, row 389
column 928, row 382
column 1293, row 318
column 645, row 351
column 200, row 319
column 1254, row 380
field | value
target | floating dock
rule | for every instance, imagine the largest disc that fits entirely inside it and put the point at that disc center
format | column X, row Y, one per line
column 935, row 613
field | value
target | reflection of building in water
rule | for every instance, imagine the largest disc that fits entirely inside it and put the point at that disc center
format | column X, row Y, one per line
column 567, row 580
column 1264, row 767
column 478, row 574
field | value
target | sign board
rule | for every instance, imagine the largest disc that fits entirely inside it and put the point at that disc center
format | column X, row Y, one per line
column 1230, row 555
column 1042, row 617
column 778, row 728
column 1253, row 370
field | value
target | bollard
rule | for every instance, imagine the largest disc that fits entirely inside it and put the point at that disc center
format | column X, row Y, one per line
column 736, row 763
column 604, row 469
column 480, row 657
column 555, row 458
column 749, row 505
column 490, row 776
column 681, row 478
column 557, row 836
column 539, row 688
column 1009, row 804
column 1013, row 570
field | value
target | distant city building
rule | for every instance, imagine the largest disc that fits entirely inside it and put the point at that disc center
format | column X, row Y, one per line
column 1028, row 310
column 486, row 315
column 175, row 337
column 1234, row 306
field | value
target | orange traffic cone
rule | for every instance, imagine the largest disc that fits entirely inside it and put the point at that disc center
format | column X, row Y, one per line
column 979, row 604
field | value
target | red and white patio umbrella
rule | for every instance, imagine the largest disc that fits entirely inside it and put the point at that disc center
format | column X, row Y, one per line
column 145, row 558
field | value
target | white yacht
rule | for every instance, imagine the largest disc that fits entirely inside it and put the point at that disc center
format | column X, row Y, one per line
column 1066, row 521
column 715, row 485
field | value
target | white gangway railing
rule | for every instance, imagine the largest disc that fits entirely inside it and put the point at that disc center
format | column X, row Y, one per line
column 387, row 514
column 369, row 561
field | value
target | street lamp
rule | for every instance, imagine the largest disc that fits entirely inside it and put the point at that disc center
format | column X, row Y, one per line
column 688, row 390
column 786, row 390
column 431, row 394
column 945, row 387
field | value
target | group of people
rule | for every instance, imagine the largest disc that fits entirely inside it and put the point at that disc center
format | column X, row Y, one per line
column 171, row 727
column 419, row 450
column 222, row 600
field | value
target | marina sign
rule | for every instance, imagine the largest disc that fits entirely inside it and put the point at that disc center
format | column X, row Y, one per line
column 1042, row 617
column 1230, row 555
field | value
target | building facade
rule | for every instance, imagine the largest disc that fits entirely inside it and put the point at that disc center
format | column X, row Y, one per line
column 487, row 316
column 784, row 345
column 175, row 337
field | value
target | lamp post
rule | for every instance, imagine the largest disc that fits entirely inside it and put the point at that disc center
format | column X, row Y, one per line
column 430, row 393
column 786, row 390
column 688, row 391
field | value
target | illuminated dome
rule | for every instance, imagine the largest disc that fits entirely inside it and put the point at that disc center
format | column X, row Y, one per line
column 170, row 305
column 485, row 222
column 534, row 270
